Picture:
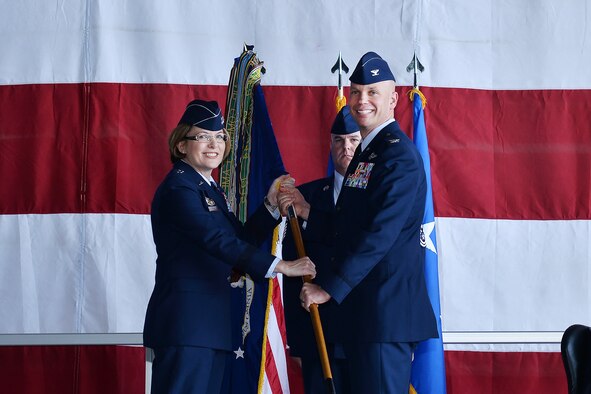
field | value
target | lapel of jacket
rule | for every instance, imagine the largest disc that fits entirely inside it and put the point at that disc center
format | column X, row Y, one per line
column 207, row 189
column 326, row 198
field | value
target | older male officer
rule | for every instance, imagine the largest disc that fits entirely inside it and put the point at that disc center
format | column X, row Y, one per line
column 318, row 200
column 378, row 277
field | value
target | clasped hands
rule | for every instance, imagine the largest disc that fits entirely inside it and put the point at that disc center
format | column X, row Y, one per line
column 283, row 193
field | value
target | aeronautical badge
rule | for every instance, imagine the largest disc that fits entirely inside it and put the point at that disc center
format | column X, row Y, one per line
column 360, row 177
column 211, row 206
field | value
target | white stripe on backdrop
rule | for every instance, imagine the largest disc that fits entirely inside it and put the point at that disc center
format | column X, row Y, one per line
column 470, row 44
column 94, row 273
column 75, row 273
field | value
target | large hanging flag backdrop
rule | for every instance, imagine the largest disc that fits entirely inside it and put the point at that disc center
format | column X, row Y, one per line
column 90, row 90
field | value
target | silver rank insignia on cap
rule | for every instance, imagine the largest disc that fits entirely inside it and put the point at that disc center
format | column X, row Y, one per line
column 375, row 73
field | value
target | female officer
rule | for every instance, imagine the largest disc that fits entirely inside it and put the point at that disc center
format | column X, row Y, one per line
column 198, row 240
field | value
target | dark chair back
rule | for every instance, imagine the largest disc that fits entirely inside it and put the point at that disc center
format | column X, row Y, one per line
column 576, row 355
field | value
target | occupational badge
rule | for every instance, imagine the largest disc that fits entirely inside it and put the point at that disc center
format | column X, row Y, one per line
column 211, row 206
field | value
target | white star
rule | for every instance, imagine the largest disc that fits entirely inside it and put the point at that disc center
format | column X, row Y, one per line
column 427, row 230
column 239, row 353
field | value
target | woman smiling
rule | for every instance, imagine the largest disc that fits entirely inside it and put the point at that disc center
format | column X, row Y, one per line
column 198, row 241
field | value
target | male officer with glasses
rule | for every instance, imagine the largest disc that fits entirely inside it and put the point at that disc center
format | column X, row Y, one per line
column 378, row 273
column 198, row 241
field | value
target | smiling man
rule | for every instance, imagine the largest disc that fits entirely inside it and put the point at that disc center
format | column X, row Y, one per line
column 377, row 276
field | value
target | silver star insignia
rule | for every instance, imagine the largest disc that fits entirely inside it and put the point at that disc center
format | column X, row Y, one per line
column 427, row 229
column 239, row 353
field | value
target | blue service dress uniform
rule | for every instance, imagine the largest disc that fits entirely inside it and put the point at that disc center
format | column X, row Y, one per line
column 198, row 240
column 378, row 277
column 318, row 242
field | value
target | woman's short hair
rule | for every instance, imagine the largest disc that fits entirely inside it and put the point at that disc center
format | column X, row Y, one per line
column 179, row 133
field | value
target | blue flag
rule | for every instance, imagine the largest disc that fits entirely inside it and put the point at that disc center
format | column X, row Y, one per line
column 265, row 165
column 428, row 367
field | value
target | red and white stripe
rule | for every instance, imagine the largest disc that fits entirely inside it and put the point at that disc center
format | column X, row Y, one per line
column 89, row 92
column 276, row 378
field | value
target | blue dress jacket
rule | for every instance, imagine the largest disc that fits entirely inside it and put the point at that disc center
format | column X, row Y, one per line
column 198, row 241
column 377, row 275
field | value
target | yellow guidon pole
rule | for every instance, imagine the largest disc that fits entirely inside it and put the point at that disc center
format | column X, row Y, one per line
column 314, row 314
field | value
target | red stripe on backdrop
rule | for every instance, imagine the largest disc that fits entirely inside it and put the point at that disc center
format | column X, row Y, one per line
column 510, row 154
column 72, row 369
column 40, row 148
column 101, row 148
column 121, row 369
column 503, row 372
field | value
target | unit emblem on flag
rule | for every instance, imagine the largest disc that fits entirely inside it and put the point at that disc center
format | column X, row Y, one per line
column 360, row 177
column 426, row 241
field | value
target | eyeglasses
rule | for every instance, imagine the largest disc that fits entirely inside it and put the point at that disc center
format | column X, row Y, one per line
column 207, row 138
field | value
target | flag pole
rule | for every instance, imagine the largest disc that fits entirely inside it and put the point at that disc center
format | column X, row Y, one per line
column 428, row 368
column 314, row 313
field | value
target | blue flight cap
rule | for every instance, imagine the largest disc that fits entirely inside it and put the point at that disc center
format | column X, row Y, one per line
column 371, row 69
column 344, row 122
column 203, row 114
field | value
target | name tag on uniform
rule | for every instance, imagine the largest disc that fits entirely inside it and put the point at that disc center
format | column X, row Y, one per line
column 360, row 177
column 211, row 205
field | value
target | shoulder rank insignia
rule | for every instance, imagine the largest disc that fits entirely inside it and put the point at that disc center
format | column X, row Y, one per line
column 325, row 188
column 179, row 171
column 360, row 177
column 372, row 156
column 394, row 141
